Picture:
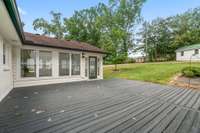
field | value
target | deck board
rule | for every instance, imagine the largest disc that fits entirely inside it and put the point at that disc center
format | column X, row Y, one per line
column 110, row 106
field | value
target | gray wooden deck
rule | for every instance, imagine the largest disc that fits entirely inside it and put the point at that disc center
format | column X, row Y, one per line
column 101, row 106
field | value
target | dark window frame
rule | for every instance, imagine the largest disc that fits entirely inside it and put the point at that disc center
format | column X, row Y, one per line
column 4, row 54
column 196, row 51
column 182, row 53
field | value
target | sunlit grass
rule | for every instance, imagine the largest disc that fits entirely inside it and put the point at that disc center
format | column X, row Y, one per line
column 152, row 72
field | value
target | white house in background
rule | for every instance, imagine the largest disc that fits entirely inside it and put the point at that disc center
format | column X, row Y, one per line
column 188, row 53
column 28, row 59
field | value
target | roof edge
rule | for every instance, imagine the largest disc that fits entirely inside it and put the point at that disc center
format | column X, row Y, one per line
column 190, row 47
column 41, row 45
column 11, row 7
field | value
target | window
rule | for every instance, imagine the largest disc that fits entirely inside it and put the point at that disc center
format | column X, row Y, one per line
column 28, row 63
column 98, row 66
column 4, row 54
column 86, row 66
column 63, row 64
column 196, row 51
column 182, row 53
column 45, row 66
column 75, row 64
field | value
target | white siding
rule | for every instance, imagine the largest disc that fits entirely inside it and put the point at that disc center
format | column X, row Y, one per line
column 187, row 55
column 6, row 80
column 55, row 78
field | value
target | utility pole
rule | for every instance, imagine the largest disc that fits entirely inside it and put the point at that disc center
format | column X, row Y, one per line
column 146, row 48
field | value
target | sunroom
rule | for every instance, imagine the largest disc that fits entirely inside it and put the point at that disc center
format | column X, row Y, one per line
column 47, row 63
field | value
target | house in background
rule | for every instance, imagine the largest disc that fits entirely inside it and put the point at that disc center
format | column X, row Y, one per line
column 139, row 59
column 188, row 53
column 28, row 59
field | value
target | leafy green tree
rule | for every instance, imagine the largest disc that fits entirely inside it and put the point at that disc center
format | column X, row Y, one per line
column 161, row 37
column 106, row 26
column 86, row 25
column 55, row 27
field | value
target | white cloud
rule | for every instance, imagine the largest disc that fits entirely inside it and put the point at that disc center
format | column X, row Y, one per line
column 21, row 11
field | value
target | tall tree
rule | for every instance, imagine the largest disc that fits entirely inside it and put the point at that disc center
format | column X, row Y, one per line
column 55, row 27
column 86, row 25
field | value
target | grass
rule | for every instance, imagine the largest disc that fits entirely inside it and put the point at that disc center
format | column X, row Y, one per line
column 151, row 72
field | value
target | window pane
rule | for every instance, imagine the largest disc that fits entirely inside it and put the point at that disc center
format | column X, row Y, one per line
column 182, row 53
column 196, row 51
column 4, row 54
column 28, row 61
column 45, row 67
column 75, row 64
column 63, row 64
column 98, row 66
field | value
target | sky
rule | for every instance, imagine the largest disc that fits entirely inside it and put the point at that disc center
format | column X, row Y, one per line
column 31, row 9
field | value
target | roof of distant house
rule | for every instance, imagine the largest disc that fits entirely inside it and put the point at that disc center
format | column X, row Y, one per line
column 45, row 41
column 190, row 47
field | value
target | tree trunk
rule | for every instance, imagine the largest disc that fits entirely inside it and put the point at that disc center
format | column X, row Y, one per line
column 115, row 67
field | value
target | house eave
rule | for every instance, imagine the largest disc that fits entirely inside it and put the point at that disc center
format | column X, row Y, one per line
column 58, row 47
column 11, row 7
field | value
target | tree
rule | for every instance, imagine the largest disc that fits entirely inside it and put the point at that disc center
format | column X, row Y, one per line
column 55, row 27
column 161, row 37
column 106, row 26
column 86, row 25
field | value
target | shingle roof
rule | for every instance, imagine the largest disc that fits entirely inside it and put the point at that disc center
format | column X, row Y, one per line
column 191, row 47
column 41, row 40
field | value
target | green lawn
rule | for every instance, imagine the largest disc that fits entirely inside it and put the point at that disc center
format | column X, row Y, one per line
column 152, row 72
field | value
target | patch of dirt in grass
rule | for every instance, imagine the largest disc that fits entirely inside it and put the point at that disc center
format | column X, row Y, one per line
column 181, row 81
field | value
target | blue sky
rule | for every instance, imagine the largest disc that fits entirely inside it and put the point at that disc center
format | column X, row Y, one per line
column 32, row 9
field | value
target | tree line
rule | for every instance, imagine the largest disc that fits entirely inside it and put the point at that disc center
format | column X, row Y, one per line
column 162, row 36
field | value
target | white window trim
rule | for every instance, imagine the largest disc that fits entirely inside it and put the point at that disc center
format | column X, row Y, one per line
column 45, row 77
column 37, row 50
column 59, row 64
column 7, row 65
column 80, row 65
column 35, row 64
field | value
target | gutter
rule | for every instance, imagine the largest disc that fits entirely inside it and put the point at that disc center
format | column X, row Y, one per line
column 74, row 49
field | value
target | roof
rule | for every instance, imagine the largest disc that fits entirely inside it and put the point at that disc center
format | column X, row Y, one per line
column 41, row 40
column 191, row 47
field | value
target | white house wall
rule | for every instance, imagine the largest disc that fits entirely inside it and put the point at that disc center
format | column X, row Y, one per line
column 55, row 78
column 187, row 55
column 6, row 78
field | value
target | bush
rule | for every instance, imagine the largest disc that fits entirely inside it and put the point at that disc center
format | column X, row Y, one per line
column 191, row 71
column 129, row 60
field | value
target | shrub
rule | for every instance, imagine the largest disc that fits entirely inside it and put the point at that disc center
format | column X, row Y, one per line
column 191, row 71
column 129, row 60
